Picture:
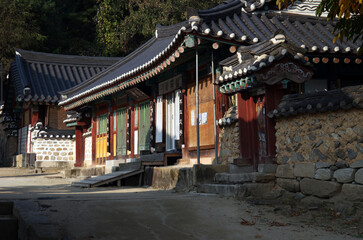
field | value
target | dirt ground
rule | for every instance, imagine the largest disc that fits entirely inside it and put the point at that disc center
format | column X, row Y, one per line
column 145, row 213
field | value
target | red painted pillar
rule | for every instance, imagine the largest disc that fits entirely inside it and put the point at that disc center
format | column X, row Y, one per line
column 111, row 132
column 247, row 121
column 35, row 117
column 94, row 131
column 273, row 97
column 79, row 147
column 244, row 133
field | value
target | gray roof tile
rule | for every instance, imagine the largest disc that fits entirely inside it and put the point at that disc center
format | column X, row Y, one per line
column 48, row 74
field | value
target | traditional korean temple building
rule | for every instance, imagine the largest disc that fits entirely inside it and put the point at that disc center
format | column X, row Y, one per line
column 31, row 112
column 248, row 52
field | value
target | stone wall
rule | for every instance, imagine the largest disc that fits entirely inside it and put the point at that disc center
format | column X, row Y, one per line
column 330, row 137
column 229, row 143
column 323, row 179
column 52, row 151
column 321, row 154
column 88, row 151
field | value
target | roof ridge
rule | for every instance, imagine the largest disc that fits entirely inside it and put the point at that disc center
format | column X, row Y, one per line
column 61, row 58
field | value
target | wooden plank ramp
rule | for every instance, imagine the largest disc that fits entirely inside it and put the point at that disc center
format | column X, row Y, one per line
column 127, row 170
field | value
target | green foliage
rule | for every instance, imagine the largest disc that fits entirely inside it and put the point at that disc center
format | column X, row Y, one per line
column 68, row 25
column 17, row 29
column 55, row 26
column 350, row 23
column 349, row 14
column 122, row 25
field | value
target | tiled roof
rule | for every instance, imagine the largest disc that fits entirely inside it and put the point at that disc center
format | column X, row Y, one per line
column 344, row 98
column 231, row 116
column 250, row 59
column 55, row 133
column 162, row 45
column 229, row 21
column 72, row 116
column 39, row 77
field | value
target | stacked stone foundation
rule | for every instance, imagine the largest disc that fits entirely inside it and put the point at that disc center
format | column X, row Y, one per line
column 321, row 154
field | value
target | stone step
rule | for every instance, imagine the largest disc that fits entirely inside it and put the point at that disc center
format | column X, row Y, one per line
column 234, row 178
column 227, row 190
column 256, row 190
column 182, row 161
column 240, row 169
column 8, row 227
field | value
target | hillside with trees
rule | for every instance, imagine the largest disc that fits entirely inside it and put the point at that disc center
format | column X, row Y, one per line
column 85, row 27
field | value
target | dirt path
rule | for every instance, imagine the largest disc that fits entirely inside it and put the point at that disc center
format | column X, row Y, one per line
column 144, row 213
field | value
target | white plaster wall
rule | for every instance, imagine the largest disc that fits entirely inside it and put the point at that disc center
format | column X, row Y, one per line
column 88, row 151
column 53, row 149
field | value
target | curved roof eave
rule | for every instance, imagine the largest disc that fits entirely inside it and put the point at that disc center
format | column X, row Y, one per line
column 160, row 46
column 224, row 22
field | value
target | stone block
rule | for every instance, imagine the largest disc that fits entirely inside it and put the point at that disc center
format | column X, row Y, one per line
column 285, row 171
column 290, row 185
column 319, row 188
column 206, row 173
column 352, row 192
column 323, row 174
column 304, row 170
column 244, row 177
column 344, row 175
column 54, row 164
column 237, row 169
column 165, row 178
column 267, row 168
column 263, row 190
column 185, row 179
column 357, row 164
column 319, row 165
column 359, row 176
column 44, row 232
column 227, row 190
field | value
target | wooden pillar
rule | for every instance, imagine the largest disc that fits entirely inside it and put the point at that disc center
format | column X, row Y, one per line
column 112, row 134
column 132, row 130
column 79, row 146
column 185, row 150
column 244, row 134
column 35, row 117
column 273, row 98
column 247, row 121
column 253, row 131
column 94, row 132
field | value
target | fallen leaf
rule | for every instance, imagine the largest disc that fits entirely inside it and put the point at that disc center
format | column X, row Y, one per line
column 278, row 224
column 247, row 223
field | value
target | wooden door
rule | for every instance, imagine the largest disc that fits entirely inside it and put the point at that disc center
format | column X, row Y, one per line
column 206, row 128
column 144, row 126
column 101, row 139
column 172, row 119
column 121, row 132
column 170, row 122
